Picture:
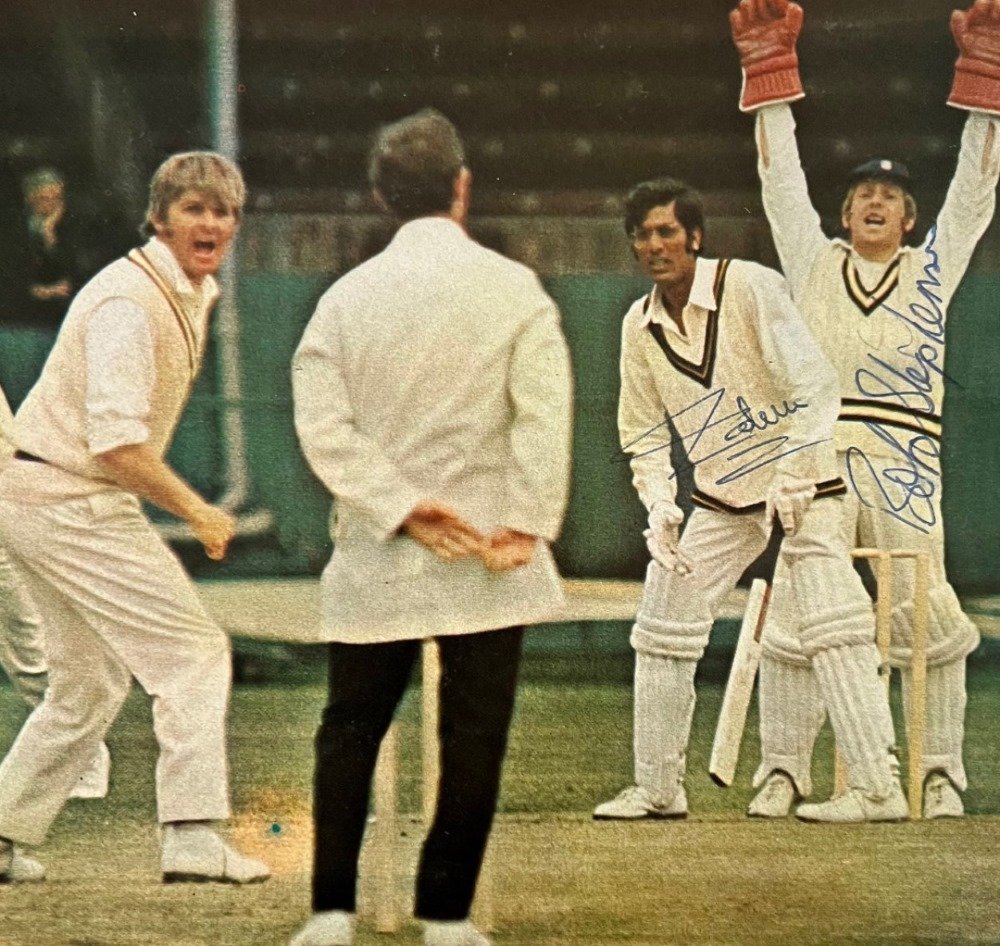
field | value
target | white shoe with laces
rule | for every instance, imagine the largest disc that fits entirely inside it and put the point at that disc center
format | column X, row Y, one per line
column 775, row 798
column 941, row 798
column 636, row 803
column 193, row 853
column 17, row 868
column 855, row 807
column 328, row 928
column 453, row 933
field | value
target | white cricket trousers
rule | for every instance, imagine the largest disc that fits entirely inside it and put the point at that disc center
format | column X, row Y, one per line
column 115, row 603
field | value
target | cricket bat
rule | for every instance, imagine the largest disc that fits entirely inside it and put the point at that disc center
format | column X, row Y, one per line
column 739, row 687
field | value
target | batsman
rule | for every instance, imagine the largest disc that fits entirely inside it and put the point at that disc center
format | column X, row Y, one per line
column 877, row 308
column 717, row 359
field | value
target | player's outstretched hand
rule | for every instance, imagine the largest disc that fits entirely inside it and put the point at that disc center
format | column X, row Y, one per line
column 977, row 72
column 765, row 33
column 507, row 549
column 441, row 529
column 214, row 528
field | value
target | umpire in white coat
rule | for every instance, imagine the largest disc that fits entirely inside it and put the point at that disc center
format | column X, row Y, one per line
column 433, row 399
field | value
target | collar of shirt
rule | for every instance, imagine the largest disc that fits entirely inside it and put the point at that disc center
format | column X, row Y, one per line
column 428, row 229
column 702, row 296
column 857, row 257
column 168, row 267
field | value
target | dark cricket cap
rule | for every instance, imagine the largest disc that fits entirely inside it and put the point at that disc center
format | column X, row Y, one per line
column 882, row 169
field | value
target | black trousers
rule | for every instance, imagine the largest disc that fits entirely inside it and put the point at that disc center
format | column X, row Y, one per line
column 367, row 682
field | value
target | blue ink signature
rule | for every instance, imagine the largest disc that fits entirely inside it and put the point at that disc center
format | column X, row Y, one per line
column 748, row 423
column 907, row 492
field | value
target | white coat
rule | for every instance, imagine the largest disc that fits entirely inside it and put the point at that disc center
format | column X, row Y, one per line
column 435, row 371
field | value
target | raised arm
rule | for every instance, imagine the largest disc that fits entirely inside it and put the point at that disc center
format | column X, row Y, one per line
column 799, row 367
column 971, row 199
column 765, row 32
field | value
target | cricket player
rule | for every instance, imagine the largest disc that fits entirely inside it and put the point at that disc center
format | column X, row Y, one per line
column 877, row 308
column 433, row 399
column 114, row 601
column 717, row 357
column 21, row 639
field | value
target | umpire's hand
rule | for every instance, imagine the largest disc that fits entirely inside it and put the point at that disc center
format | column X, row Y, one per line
column 442, row 530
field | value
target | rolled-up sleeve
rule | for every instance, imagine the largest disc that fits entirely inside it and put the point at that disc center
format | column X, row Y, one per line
column 120, row 375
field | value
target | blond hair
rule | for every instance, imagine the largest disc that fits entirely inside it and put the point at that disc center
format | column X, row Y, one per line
column 208, row 173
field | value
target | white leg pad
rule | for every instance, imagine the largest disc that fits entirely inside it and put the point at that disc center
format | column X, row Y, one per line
column 791, row 716
column 951, row 636
column 856, row 700
column 672, row 620
column 664, row 705
column 831, row 604
column 944, row 729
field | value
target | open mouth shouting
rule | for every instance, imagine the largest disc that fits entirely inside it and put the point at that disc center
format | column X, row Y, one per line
column 198, row 230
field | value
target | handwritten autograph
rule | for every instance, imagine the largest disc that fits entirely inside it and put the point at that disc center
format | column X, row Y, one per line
column 748, row 423
column 907, row 491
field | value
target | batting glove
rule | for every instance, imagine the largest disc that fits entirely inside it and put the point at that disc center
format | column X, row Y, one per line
column 977, row 71
column 765, row 32
column 663, row 537
column 788, row 499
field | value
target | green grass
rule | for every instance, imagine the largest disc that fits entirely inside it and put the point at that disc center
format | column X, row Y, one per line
column 715, row 879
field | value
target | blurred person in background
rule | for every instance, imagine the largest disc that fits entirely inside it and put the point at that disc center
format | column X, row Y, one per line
column 41, row 271
column 22, row 655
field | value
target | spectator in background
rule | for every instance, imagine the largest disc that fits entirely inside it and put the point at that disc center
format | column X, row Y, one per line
column 42, row 272
column 51, row 269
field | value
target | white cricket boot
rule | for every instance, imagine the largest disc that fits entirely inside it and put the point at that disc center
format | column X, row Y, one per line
column 855, row 806
column 775, row 799
column 193, row 853
column 453, row 933
column 93, row 783
column 328, row 928
column 635, row 803
column 941, row 798
column 17, row 868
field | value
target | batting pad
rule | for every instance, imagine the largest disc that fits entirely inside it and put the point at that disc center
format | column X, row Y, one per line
column 856, row 700
column 791, row 716
column 944, row 726
column 951, row 635
column 832, row 607
column 664, row 706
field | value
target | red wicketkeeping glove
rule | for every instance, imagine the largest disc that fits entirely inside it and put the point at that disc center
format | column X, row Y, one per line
column 977, row 72
column 765, row 32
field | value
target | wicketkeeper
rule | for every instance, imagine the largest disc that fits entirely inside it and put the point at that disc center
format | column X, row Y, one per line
column 877, row 308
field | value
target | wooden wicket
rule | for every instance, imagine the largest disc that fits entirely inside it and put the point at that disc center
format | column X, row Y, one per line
column 917, row 710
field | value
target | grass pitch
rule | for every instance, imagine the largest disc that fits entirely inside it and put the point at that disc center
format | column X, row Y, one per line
column 560, row 878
